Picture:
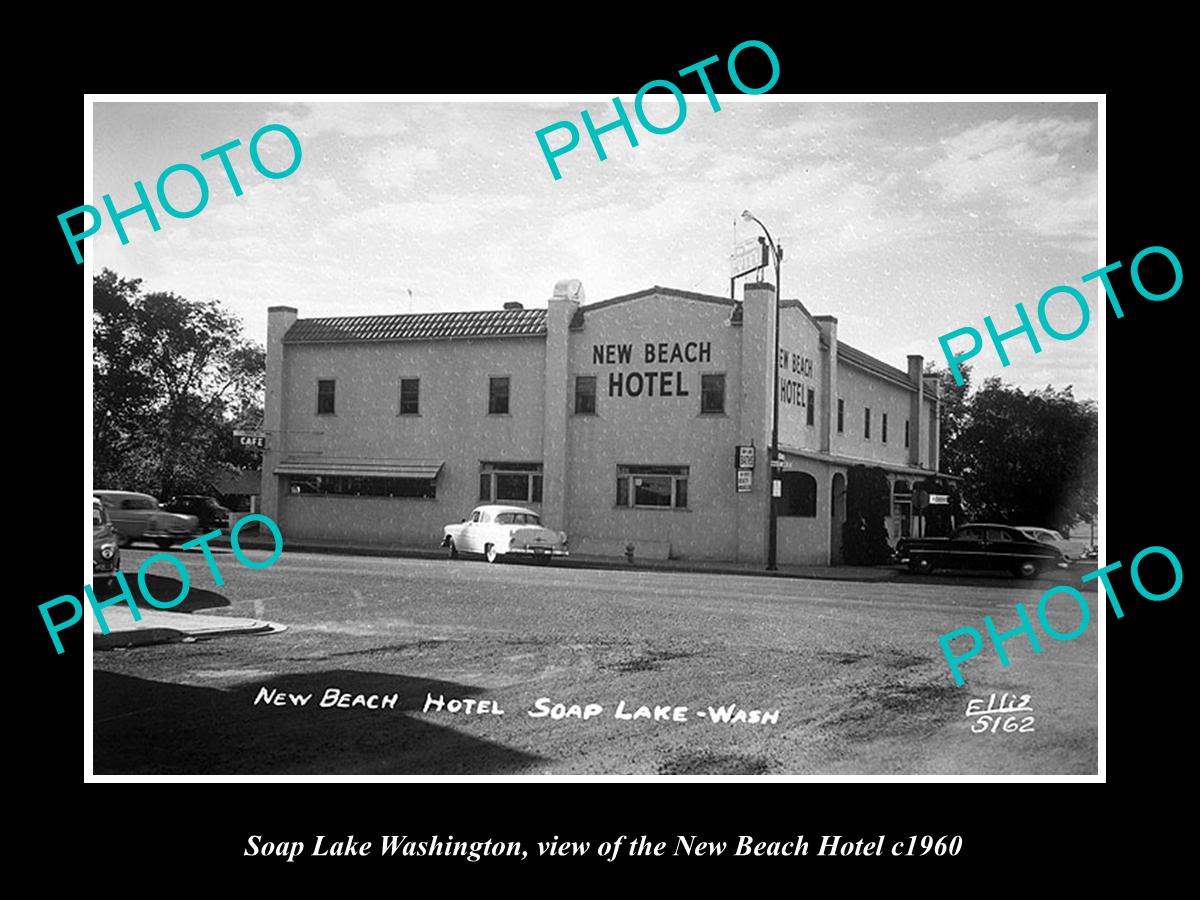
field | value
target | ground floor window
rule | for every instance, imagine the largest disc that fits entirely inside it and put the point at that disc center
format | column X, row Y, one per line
column 798, row 495
column 652, row 487
column 362, row 486
column 510, row 482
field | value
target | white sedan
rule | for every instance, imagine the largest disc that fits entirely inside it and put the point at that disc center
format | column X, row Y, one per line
column 1071, row 548
column 497, row 531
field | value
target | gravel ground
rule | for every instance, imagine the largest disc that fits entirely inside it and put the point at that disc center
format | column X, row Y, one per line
column 853, row 670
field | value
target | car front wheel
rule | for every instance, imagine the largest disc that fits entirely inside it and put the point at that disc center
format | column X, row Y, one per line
column 453, row 550
column 165, row 543
column 490, row 552
column 1026, row 568
column 921, row 565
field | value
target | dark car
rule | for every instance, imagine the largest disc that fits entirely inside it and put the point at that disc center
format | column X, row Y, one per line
column 137, row 517
column 981, row 546
column 210, row 513
column 106, row 555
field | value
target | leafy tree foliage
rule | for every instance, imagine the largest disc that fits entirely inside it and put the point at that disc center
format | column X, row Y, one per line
column 171, row 380
column 1026, row 458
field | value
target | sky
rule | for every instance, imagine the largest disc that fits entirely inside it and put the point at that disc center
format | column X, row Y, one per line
column 904, row 220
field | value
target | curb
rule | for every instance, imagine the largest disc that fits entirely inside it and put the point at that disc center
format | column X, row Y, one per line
column 576, row 562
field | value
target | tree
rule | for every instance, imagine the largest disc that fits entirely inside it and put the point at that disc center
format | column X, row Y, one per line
column 956, row 414
column 171, row 379
column 1029, row 458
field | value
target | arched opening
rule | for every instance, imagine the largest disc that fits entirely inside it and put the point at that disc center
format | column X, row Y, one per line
column 837, row 517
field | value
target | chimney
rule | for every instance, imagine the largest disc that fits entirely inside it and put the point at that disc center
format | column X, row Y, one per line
column 918, row 427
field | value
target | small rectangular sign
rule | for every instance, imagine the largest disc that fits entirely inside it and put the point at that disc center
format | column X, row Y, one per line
column 776, row 487
column 745, row 457
column 939, row 499
column 745, row 481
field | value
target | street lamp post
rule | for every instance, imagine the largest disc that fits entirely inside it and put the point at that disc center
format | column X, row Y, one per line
column 772, row 512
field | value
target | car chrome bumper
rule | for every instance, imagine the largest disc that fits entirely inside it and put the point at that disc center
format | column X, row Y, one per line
column 538, row 551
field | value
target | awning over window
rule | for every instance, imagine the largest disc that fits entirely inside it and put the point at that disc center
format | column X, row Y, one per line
column 378, row 468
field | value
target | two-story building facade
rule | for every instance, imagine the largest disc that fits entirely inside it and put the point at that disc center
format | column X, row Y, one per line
column 619, row 421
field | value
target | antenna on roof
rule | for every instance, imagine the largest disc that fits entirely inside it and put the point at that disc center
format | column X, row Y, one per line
column 409, row 299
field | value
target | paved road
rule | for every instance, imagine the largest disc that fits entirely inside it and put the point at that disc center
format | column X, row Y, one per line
column 854, row 671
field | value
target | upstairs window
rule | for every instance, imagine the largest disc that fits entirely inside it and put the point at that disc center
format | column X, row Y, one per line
column 841, row 415
column 883, row 429
column 410, row 396
column 712, row 393
column 325, row 395
column 810, row 407
column 867, row 423
column 498, row 396
column 585, row 395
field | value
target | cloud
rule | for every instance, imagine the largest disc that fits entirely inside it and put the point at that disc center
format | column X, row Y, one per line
column 396, row 167
column 1039, row 174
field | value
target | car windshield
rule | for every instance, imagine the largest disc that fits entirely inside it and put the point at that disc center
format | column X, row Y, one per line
column 510, row 518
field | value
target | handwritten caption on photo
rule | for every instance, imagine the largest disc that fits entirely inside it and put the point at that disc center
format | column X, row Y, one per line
column 144, row 205
column 543, row 708
column 622, row 846
column 623, row 116
column 126, row 596
column 1085, row 316
column 954, row 660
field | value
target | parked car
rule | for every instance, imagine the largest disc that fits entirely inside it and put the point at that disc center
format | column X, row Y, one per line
column 138, row 517
column 210, row 513
column 1071, row 548
column 497, row 531
column 981, row 546
column 106, row 555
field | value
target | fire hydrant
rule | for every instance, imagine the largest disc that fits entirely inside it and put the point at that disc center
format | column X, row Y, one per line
column 629, row 552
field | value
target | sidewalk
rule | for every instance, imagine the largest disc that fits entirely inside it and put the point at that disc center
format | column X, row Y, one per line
column 711, row 567
column 158, row 627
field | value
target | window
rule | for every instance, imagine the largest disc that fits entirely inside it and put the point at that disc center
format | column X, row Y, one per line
column 512, row 518
column 585, row 395
column 325, row 390
column 810, row 406
column 498, row 396
column 798, row 495
column 841, row 415
column 712, row 393
column 410, row 396
column 906, row 424
column 652, row 487
column 998, row 534
column 883, row 429
column 867, row 423
column 363, row 486
column 505, row 481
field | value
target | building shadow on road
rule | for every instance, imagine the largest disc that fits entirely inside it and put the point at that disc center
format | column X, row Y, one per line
column 154, row 727
column 165, row 588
